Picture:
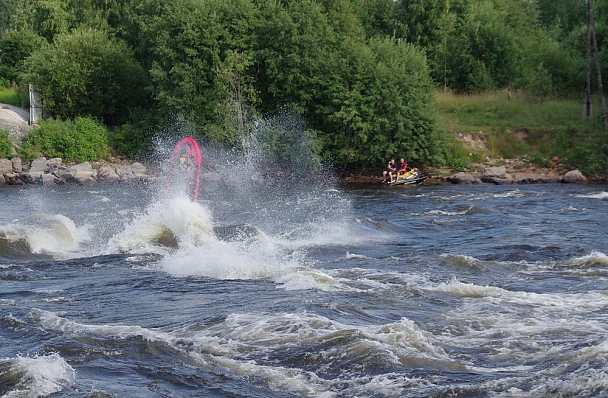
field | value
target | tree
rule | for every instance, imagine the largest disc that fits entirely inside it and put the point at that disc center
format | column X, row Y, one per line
column 46, row 18
column 187, row 42
column 296, row 46
column 86, row 73
column 15, row 46
column 7, row 11
column 379, row 104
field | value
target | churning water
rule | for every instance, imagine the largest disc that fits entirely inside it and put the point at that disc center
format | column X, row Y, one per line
column 296, row 288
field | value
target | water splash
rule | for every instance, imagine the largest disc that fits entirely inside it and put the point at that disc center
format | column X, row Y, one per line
column 36, row 376
column 259, row 208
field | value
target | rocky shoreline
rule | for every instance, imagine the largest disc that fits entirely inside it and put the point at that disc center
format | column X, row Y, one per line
column 44, row 171
column 511, row 173
column 52, row 171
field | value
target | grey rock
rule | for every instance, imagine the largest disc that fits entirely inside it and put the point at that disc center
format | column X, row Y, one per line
column 6, row 166
column 574, row 177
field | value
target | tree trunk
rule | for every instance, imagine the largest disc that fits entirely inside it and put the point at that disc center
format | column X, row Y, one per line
column 588, row 102
column 597, row 62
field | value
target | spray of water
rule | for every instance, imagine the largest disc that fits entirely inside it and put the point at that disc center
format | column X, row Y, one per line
column 260, row 207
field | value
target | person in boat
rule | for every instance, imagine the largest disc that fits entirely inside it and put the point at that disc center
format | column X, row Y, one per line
column 401, row 168
column 390, row 169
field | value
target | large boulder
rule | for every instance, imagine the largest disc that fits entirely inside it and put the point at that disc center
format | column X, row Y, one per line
column 47, row 179
column 39, row 165
column 464, row 178
column 17, row 165
column 574, row 177
column 550, row 179
column 133, row 171
column 107, row 174
column 497, row 175
column 6, row 166
column 31, row 177
column 82, row 173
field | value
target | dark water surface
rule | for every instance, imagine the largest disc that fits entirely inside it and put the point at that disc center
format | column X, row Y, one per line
column 304, row 290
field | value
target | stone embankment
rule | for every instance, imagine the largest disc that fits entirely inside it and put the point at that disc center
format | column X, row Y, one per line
column 52, row 171
column 499, row 175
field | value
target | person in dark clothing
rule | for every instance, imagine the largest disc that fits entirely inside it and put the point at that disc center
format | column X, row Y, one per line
column 390, row 170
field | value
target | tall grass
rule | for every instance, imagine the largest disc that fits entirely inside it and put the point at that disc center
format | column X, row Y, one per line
column 14, row 96
column 519, row 126
column 494, row 111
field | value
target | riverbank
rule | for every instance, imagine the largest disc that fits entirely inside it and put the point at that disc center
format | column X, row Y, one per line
column 499, row 171
column 44, row 171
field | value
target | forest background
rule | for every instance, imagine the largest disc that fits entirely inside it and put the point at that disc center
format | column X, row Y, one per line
column 360, row 80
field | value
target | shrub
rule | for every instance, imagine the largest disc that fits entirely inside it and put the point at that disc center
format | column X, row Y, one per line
column 5, row 144
column 82, row 139
column 87, row 72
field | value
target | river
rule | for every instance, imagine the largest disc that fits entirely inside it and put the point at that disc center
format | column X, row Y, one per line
column 304, row 289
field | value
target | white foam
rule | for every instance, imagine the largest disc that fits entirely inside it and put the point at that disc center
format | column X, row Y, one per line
column 350, row 256
column 55, row 235
column 230, row 343
column 595, row 257
column 43, row 375
column 572, row 302
column 599, row 195
column 173, row 218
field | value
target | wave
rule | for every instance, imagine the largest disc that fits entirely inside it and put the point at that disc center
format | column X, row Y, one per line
column 36, row 376
column 56, row 236
column 467, row 211
column 299, row 353
column 600, row 195
column 165, row 225
column 182, row 232
column 594, row 259
column 465, row 262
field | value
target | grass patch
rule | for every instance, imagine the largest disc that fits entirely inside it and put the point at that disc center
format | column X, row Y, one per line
column 15, row 97
column 494, row 112
column 516, row 127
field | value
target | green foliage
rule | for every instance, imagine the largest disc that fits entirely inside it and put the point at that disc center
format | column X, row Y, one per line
column 8, row 9
column 539, row 159
column 506, row 145
column 9, row 96
column 371, row 98
column 86, row 73
column 15, row 46
column 197, row 49
column 46, row 18
column 455, row 154
column 6, row 145
column 591, row 157
column 459, row 164
column 16, row 96
column 135, row 139
column 78, row 140
column 359, row 73
column 284, row 142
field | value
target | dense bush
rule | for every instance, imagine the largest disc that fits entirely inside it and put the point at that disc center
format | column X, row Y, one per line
column 87, row 73
column 78, row 140
column 15, row 46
